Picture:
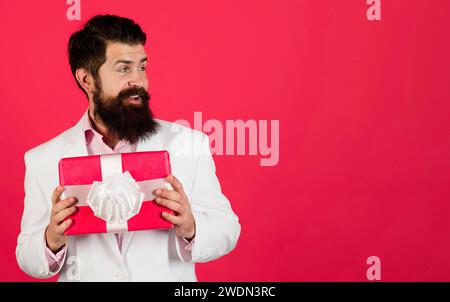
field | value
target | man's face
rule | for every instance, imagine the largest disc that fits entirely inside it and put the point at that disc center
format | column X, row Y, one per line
column 124, row 68
column 121, row 99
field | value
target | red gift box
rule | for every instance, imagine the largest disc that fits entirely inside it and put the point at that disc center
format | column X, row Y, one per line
column 99, row 182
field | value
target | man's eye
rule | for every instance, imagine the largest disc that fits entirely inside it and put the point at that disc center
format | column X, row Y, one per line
column 124, row 69
column 142, row 68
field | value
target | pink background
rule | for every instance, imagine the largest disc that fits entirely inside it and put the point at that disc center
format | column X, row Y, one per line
column 363, row 110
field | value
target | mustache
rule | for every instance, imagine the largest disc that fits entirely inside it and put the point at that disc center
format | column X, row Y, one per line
column 132, row 91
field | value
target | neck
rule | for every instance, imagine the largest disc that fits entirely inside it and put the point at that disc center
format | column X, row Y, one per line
column 108, row 138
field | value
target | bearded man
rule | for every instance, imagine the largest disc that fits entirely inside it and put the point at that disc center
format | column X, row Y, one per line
column 108, row 61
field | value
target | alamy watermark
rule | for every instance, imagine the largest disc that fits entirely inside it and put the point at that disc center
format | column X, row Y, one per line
column 373, row 273
column 73, row 268
column 235, row 137
column 373, row 13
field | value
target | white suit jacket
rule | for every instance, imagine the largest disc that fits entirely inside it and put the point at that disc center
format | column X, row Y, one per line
column 153, row 255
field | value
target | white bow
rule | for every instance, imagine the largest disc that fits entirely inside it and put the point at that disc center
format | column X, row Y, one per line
column 115, row 199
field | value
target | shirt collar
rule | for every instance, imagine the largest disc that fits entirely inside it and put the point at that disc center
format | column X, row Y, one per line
column 90, row 132
column 87, row 128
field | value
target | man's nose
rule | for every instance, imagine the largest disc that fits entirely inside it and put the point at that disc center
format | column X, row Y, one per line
column 136, row 80
column 136, row 83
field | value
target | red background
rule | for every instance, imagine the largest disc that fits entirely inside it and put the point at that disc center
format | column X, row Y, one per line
column 363, row 110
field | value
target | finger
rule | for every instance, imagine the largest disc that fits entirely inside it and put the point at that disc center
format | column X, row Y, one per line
column 57, row 194
column 60, row 229
column 170, row 204
column 176, row 184
column 168, row 194
column 62, row 204
column 64, row 214
column 171, row 218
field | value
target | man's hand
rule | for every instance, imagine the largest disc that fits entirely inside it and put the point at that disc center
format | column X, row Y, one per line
column 178, row 202
column 61, row 209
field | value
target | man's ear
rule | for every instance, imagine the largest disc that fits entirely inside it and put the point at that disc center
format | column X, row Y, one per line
column 85, row 79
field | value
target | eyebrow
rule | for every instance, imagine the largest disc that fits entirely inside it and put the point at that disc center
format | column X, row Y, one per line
column 129, row 62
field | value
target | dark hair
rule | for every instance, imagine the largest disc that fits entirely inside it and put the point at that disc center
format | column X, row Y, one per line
column 87, row 47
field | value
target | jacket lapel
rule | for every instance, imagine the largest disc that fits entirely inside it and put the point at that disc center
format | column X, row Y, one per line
column 76, row 141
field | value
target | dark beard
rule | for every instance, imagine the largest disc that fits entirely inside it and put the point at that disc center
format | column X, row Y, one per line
column 129, row 122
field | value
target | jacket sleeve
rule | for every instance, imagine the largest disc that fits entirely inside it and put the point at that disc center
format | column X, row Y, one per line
column 31, row 244
column 217, row 226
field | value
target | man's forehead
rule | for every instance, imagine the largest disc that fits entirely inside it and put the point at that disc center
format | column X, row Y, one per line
column 119, row 51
